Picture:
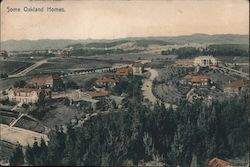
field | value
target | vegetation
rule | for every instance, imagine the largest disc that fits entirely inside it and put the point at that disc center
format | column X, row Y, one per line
column 105, row 44
column 20, row 84
column 174, row 137
column 3, row 75
column 130, row 86
column 215, row 50
column 142, row 134
column 18, row 157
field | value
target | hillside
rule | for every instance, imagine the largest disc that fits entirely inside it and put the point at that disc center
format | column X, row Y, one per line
column 22, row 45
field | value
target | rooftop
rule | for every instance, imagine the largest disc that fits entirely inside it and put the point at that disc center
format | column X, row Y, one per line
column 235, row 84
column 205, row 57
column 137, row 64
column 97, row 93
column 197, row 78
column 216, row 162
column 185, row 62
column 43, row 79
column 106, row 79
column 123, row 71
column 29, row 90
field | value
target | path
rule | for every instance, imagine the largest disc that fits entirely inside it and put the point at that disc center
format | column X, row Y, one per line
column 147, row 86
column 15, row 121
column 16, row 106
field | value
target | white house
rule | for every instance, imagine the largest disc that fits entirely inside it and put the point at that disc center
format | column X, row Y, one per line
column 137, row 68
column 205, row 61
column 26, row 95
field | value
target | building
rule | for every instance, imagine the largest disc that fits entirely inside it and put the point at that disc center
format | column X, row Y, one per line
column 197, row 80
column 205, row 61
column 216, row 162
column 96, row 94
column 185, row 62
column 77, row 97
column 98, row 99
column 124, row 72
column 27, row 95
column 48, row 81
column 137, row 68
column 235, row 87
column 106, row 81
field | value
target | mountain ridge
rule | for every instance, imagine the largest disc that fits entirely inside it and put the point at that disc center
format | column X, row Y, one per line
column 44, row 44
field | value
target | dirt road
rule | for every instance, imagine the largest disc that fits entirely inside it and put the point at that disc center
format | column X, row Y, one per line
column 147, row 86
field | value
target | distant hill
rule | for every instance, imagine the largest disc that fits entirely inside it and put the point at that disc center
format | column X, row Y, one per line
column 22, row 45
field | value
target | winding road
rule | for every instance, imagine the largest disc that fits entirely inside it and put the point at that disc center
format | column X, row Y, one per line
column 147, row 86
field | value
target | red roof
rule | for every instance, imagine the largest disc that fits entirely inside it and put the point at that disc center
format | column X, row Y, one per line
column 137, row 64
column 42, row 79
column 197, row 78
column 235, row 84
column 216, row 162
column 106, row 80
column 184, row 62
column 123, row 71
column 97, row 93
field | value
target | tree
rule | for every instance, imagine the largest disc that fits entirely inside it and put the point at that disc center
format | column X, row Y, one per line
column 4, row 75
column 41, row 99
column 17, row 158
column 149, row 146
column 20, row 84
column 66, row 101
column 29, row 155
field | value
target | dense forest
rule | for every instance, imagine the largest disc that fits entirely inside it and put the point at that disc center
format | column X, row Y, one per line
column 140, row 133
column 241, row 50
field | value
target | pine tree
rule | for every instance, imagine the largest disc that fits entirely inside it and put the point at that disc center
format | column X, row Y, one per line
column 17, row 159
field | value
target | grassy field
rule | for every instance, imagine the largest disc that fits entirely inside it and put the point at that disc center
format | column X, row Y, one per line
column 69, row 64
column 11, row 67
column 30, row 124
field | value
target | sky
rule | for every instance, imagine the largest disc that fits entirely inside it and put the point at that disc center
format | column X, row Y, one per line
column 109, row 19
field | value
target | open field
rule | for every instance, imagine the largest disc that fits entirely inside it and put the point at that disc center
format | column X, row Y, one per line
column 71, row 64
column 30, row 124
column 11, row 67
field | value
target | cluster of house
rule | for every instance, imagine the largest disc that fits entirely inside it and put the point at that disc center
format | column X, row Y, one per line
column 61, row 52
column 100, row 98
column 232, row 87
column 36, row 86
column 136, row 69
column 200, row 61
